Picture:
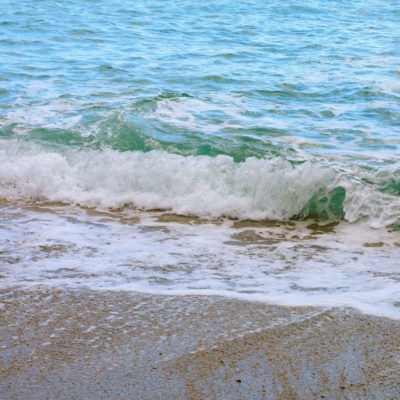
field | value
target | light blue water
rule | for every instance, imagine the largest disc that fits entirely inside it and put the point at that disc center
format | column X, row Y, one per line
column 117, row 103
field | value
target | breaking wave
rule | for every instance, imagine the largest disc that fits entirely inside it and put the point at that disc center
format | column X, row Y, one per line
column 274, row 188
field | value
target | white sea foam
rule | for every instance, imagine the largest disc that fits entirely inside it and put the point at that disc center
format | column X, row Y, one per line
column 199, row 185
column 54, row 114
column 283, row 264
column 185, row 112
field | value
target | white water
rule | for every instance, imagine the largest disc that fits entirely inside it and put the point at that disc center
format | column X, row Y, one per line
column 287, row 264
column 194, row 185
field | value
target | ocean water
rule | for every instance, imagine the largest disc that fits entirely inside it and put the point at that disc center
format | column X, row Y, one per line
column 240, row 148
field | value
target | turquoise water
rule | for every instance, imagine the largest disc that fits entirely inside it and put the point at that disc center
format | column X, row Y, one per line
column 247, row 149
column 246, row 109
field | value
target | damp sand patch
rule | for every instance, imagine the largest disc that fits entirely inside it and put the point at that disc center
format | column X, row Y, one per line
column 106, row 345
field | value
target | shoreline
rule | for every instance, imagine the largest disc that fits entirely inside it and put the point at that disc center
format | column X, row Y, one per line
column 289, row 264
column 105, row 344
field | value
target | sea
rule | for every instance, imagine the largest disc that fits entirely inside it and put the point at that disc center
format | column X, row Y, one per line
column 246, row 149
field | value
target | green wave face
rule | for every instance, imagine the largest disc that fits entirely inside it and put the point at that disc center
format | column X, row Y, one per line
column 326, row 206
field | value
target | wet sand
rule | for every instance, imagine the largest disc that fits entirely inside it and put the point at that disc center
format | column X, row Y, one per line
column 64, row 344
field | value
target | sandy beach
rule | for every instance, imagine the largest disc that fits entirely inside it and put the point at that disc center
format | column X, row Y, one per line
column 199, row 200
column 81, row 344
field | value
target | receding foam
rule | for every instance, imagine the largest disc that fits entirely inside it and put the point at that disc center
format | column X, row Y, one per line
column 286, row 264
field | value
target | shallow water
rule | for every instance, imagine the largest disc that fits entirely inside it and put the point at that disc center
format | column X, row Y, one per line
column 225, row 111
column 155, row 252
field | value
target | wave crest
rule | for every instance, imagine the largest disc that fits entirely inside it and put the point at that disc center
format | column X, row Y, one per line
column 200, row 185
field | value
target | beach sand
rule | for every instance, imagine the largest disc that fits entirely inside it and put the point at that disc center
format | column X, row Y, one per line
column 83, row 344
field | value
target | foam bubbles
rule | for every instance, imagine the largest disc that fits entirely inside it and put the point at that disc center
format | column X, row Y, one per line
column 288, row 264
column 199, row 185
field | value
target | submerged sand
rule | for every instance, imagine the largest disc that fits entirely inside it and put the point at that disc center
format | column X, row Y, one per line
column 83, row 344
